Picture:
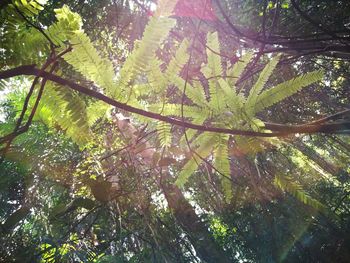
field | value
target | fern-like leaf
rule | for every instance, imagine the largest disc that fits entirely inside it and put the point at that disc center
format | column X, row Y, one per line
column 196, row 93
column 287, row 184
column 30, row 7
column 283, row 90
column 155, row 76
column 86, row 60
column 68, row 23
column 155, row 32
column 172, row 73
column 190, row 133
column 213, row 71
column 260, row 83
column 213, row 49
column 238, row 68
column 164, row 133
column 206, row 141
column 222, row 164
column 95, row 111
column 61, row 106
column 232, row 100
column 160, row 80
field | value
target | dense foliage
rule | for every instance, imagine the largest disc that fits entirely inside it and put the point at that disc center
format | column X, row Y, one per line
column 174, row 131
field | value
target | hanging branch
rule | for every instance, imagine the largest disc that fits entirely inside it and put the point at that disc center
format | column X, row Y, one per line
column 278, row 130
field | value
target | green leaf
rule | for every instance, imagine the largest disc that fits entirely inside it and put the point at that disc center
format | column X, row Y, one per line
column 284, row 90
column 85, row 59
column 172, row 73
column 63, row 107
column 164, row 133
column 196, row 93
column 260, row 83
column 206, row 142
column 213, row 71
column 287, row 184
column 285, row 5
column 154, row 34
column 222, row 164
column 238, row 68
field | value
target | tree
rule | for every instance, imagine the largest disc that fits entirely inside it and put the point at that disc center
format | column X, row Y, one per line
column 174, row 117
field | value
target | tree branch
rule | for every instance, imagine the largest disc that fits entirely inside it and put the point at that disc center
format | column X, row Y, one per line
column 279, row 130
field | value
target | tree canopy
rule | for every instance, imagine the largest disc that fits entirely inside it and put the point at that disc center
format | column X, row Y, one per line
column 174, row 131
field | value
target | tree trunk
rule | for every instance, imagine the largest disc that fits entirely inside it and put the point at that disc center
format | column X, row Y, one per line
column 184, row 213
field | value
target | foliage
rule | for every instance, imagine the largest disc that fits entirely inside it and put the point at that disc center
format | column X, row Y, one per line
column 92, row 183
column 286, row 183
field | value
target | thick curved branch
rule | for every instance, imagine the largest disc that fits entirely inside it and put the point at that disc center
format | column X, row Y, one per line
column 279, row 130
